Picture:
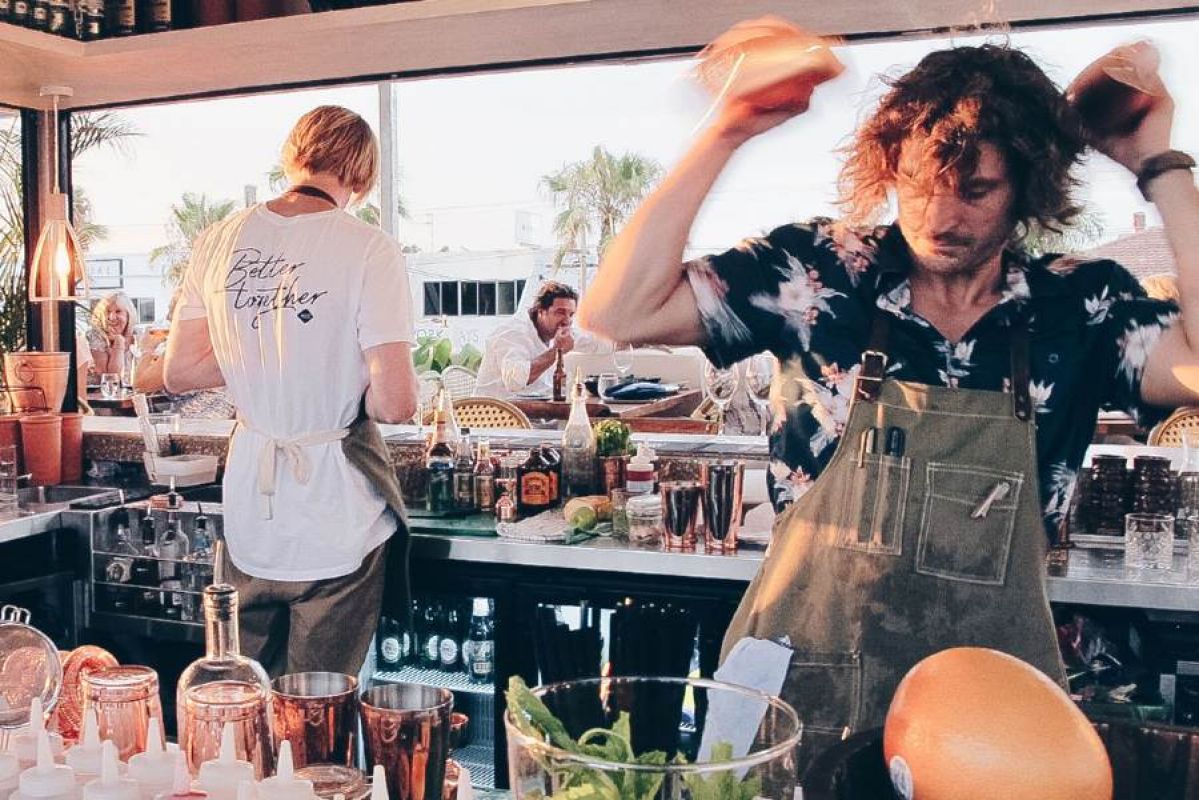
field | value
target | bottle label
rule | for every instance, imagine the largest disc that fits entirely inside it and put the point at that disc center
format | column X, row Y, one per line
column 20, row 8
column 41, row 13
column 160, row 12
column 390, row 650
column 5, row 7
column 449, row 651
column 482, row 660
column 432, row 649
column 405, row 645
column 536, row 488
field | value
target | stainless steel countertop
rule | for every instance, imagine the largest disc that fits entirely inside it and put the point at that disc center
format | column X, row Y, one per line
column 1093, row 576
column 29, row 524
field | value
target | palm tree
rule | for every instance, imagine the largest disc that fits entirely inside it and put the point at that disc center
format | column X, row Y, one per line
column 596, row 196
column 188, row 221
column 88, row 132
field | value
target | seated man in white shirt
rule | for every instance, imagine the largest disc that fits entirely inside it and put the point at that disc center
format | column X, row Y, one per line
column 520, row 354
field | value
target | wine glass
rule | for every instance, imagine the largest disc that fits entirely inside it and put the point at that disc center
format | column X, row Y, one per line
column 759, row 373
column 720, row 384
column 622, row 359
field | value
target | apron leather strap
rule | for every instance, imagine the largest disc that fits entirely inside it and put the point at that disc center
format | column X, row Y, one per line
column 874, row 365
column 874, row 359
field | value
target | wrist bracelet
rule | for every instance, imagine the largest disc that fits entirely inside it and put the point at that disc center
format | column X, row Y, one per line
column 1154, row 166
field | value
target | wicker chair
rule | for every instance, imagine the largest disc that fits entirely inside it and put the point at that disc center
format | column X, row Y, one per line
column 460, row 381
column 485, row 412
column 1169, row 432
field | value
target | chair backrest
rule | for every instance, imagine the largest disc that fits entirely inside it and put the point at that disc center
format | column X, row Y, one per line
column 489, row 412
column 460, row 381
column 1169, row 432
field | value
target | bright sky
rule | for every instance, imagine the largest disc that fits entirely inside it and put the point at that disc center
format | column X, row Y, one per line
column 472, row 149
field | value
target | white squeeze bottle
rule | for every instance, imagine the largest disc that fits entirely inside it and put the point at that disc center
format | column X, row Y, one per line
column 222, row 776
column 285, row 785
column 46, row 780
column 246, row 791
column 25, row 742
column 181, row 788
column 110, row 785
column 10, row 773
column 378, row 783
column 154, row 768
column 86, row 758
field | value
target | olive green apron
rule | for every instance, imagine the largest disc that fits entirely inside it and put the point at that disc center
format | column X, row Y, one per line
column 365, row 449
column 887, row 559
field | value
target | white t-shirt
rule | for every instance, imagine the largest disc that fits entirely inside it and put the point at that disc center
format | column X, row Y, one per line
column 291, row 304
column 510, row 351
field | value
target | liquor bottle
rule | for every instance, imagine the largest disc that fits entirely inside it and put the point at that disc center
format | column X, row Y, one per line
column 464, row 475
column 450, row 646
column 21, row 12
column 154, row 16
column 92, row 27
column 390, row 650
column 484, row 477
column 119, row 568
column 61, row 20
column 430, row 644
column 122, row 17
column 173, row 549
column 222, row 672
column 439, row 463
column 5, row 10
column 559, row 377
column 145, row 571
column 198, row 569
column 534, row 482
column 478, row 651
column 552, row 457
column 578, row 446
column 39, row 15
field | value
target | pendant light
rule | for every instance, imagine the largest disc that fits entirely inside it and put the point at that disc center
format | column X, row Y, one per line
column 58, row 272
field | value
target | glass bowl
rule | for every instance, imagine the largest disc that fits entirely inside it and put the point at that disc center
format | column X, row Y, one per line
column 689, row 722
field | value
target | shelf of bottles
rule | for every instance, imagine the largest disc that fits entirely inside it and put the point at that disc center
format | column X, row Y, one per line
column 153, row 563
column 451, row 645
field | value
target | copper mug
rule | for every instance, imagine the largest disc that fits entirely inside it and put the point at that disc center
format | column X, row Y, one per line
column 406, row 728
column 318, row 713
column 124, row 699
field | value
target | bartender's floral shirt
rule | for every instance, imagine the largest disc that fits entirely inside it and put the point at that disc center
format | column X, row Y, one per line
column 806, row 293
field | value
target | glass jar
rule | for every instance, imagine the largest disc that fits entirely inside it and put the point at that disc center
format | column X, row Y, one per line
column 644, row 513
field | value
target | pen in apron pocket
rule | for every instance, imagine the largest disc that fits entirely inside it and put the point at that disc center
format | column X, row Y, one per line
column 896, row 441
column 866, row 445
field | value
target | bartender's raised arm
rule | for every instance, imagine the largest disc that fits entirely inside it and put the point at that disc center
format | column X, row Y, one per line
column 641, row 293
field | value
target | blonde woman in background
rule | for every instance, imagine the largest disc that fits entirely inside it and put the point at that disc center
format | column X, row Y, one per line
column 111, row 335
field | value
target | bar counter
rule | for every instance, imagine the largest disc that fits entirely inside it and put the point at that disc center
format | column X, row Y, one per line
column 1093, row 576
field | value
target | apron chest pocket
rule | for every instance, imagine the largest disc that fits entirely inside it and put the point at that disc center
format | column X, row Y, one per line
column 968, row 521
column 874, row 505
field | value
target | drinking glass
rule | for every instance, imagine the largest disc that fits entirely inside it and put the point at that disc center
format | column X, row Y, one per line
column 124, row 700
column 1148, row 544
column 759, row 373
column 8, row 481
column 680, row 513
column 318, row 713
column 110, row 385
column 406, row 728
column 622, row 359
column 1191, row 520
column 1190, row 450
column 720, row 384
column 605, row 382
column 165, row 424
column 620, row 513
